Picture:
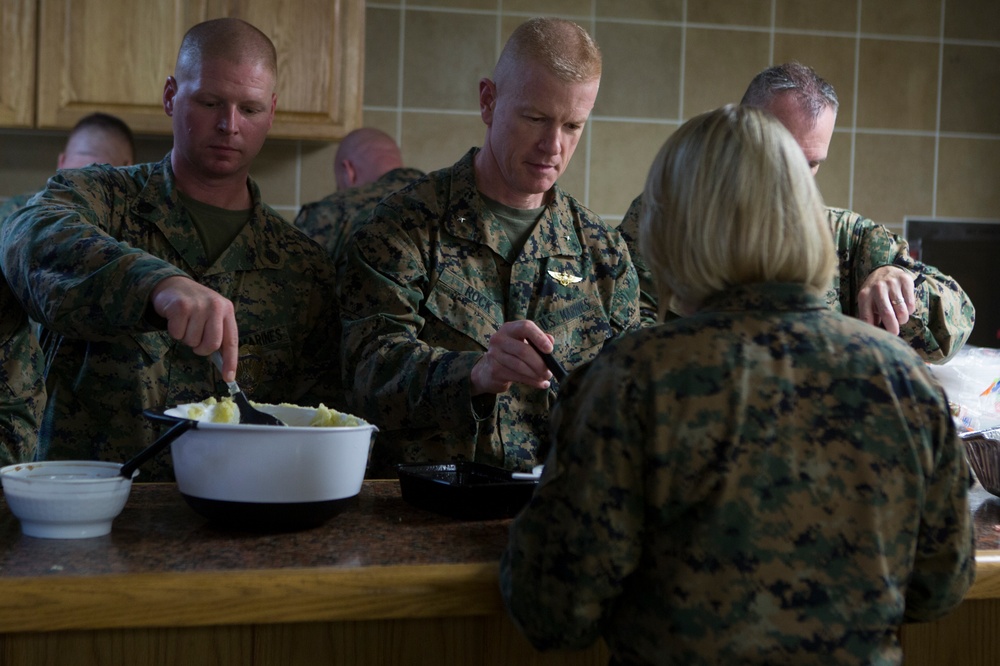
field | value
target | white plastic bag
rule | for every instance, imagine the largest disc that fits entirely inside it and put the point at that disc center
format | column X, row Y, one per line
column 971, row 381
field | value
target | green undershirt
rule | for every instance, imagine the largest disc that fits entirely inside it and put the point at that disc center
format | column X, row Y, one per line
column 216, row 227
column 517, row 223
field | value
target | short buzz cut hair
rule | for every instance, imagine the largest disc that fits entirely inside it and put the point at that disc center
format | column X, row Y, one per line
column 730, row 200
column 228, row 38
column 562, row 46
column 106, row 123
column 813, row 93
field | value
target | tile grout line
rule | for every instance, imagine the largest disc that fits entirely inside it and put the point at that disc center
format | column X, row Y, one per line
column 772, row 33
column 854, row 107
column 589, row 150
column 683, row 62
column 937, row 114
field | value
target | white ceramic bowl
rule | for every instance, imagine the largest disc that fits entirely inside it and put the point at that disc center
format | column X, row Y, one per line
column 65, row 499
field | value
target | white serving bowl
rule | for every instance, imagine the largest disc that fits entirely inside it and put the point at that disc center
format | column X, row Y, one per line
column 65, row 499
column 270, row 477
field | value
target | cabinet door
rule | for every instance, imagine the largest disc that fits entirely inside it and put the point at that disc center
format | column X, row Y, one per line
column 115, row 57
column 17, row 53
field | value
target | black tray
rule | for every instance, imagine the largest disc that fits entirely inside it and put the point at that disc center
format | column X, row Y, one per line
column 467, row 490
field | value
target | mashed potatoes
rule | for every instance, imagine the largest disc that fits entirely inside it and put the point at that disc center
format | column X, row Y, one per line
column 214, row 411
column 224, row 410
column 331, row 418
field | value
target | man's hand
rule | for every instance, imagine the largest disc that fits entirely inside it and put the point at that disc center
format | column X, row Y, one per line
column 200, row 318
column 511, row 359
column 886, row 298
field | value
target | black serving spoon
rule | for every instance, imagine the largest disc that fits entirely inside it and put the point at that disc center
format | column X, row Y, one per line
column 248, row 414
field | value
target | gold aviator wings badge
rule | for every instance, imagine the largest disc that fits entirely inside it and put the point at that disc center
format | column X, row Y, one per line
column 565, row 279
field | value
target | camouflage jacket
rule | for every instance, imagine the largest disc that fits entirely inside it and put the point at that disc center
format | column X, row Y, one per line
column 764, row 482
column 84, row 258
column 12, row 204
column 426, row 287
column 937, row 329
column 332, row 220
column 22, row 384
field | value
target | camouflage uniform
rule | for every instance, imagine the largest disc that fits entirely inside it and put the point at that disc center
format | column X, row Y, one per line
column 331, row 221
column 74, row 258
column 22, row 386
column 937, row 329
column 426, row 287
column 765, row 482
column 13, row 203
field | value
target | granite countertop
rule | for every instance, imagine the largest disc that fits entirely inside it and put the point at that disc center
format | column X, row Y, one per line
column 163, row 565
column 157, row 533
column 985, row 509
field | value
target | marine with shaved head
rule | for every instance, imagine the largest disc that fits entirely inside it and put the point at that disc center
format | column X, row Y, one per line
column 457, row 281
column 367, row 167
column 143, row 271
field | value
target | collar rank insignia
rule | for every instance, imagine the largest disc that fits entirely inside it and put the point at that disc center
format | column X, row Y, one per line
column 565, row 279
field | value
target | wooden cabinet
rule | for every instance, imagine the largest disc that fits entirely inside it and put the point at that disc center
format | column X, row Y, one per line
column 115, row 57
column 17, row 53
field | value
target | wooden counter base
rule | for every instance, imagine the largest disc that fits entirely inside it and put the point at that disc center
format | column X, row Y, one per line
column 384, row 584
column 458, row 641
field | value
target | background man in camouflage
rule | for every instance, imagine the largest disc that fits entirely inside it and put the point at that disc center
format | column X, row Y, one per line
column 875, row 281
column 455, row 274
column 368, row 166
column 725, row 488
column 142, row 271
column 22, row 381
column 97, row 138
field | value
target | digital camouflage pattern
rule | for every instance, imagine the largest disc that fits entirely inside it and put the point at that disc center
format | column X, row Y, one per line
column 629, row 229
column 332, row 220
column 937, row 329
column 944, row 316
column 765, row 482
column 22, row 384
column 22, row 369
column 13, row 203
column 426, row 286
column 84, row 258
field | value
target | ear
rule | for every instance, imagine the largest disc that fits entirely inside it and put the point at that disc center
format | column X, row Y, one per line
column 350, row 173
column 274, row 105
column 169, row 93
column 487, row 99
column 62, row 160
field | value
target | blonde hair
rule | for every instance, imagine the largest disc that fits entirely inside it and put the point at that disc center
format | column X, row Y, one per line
column 229, row 39
column 730, row 201
column 563, row 47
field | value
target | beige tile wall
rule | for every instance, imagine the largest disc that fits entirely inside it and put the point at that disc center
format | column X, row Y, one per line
column 918, row 132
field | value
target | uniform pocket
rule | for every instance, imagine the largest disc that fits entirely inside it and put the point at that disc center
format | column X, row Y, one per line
column 580, row 330
column 154, row 344
column 461, row 307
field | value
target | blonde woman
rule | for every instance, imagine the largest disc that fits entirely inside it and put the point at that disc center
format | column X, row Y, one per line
column 762, row 481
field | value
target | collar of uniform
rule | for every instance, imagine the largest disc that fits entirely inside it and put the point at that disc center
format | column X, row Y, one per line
column 776, row 296
column 254, row 248
column 469, row 218
column 398, row 178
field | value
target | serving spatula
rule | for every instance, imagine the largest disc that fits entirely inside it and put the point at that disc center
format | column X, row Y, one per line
column 248, row 413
